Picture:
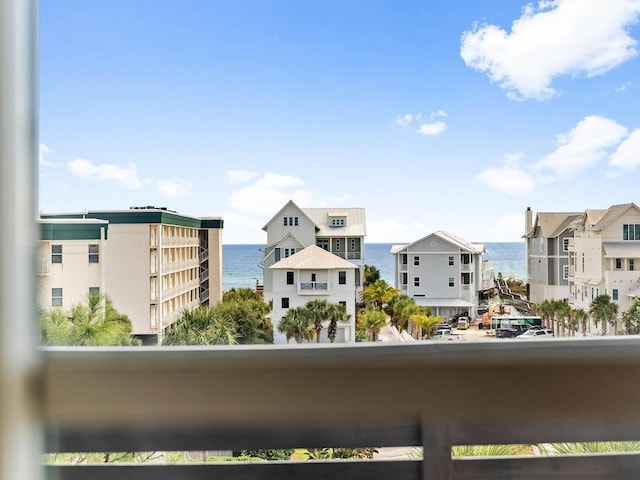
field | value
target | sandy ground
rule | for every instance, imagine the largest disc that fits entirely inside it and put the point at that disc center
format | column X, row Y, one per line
column 390, row 334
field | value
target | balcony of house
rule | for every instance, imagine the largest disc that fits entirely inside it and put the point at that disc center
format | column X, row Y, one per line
column 370, row 395
column 178, row 289
column 348, row 255
column 179, row 265
column 313, row 288
column 171, row 241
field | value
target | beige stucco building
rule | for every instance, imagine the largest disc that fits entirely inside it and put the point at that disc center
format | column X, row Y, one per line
column 547, row 241
column 152, row 263
column 603, row 255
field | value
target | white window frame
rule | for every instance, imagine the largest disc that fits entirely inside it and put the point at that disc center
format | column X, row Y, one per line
column 56, row 297
column 94, row 257
column 56, row 256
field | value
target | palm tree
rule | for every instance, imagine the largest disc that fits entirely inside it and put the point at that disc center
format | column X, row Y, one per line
column 335, row 313
column 400, row 308
column 581, row 317
column 372, row 321
column 602, row 309
column 379, row 293
column 297, row 324
column 92, row 323
column 55, row 327
column 371, row 275
column 631, row 318
column 545, row 310
column 201, row 326
column 318, row 311
column 562, row 313
column 426, row 323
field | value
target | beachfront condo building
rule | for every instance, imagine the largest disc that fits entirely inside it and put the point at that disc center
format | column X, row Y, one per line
column 603, row 255
column 152, row 263
column 442, row 272
column 547, row 241
column 339, row 232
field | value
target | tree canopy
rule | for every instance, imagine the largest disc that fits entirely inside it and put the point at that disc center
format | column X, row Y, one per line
column 94, row 322
column 241, row 318
column 379, row 293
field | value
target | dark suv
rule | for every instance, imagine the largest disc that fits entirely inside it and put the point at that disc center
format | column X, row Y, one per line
column 512, row 331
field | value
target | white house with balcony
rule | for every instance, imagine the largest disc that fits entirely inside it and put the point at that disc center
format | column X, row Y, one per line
column 603, row 256
column 314, row 274
column 340, row 231
column 442, row 272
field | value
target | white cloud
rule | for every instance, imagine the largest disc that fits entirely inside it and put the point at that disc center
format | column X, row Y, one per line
column 584, row 145
column 510, row 226
column 173, row 188
column 126, row 177
column 510, row 179
column 623, row 87
column 627, row 155
column 269, row 194
column 239, row 176
column 404, row 120
column 432, row 129
column 42, row 151
column 559, row 37
column 389, row 230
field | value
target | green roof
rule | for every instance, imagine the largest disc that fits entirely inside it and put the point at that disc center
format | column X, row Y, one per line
column 72, row 231
column 150, row 216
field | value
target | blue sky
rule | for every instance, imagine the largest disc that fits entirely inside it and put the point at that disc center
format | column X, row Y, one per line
column 431, row 115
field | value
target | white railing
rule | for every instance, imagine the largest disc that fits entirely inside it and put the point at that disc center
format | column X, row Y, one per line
column 348, row 255
column 313, row 287
column 430, row 395
column 172, row 267
column 179, row 289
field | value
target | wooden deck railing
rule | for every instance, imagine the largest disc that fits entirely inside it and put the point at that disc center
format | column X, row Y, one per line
column 372, row 395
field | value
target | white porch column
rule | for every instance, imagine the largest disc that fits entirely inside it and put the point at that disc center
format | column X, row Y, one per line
column 20, row 432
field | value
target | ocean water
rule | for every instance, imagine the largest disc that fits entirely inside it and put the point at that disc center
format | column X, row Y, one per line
column 241, row 263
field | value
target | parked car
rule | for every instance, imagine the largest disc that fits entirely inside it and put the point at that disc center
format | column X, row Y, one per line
column 463, row 323
column 507, row 332
column 535, row 334
column 513, row 331
column 443, row 334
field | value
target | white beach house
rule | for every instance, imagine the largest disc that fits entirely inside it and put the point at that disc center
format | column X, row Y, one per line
column 441, row 271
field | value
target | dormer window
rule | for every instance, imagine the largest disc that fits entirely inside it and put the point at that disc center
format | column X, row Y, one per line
column 337, row 222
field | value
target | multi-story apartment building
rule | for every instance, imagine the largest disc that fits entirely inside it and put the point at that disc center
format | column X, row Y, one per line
column 340, row 231
column 442, row 272
column 314, row 274
column 547, row 254
column 603, row 255
column 152, row 263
